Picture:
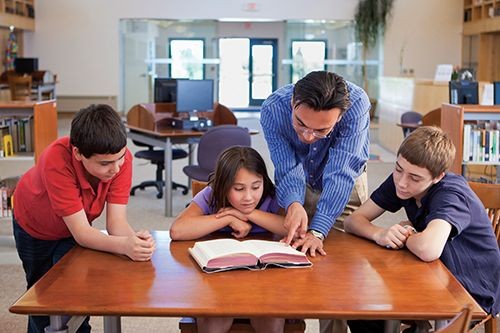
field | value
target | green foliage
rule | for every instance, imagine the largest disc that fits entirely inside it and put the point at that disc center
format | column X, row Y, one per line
column 370, row 20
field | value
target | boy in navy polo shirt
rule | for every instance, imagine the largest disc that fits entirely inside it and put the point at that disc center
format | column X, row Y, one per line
column 75, row 178
column 447, row 220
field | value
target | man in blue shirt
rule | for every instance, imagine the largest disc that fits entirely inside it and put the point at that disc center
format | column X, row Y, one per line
column 317, row 132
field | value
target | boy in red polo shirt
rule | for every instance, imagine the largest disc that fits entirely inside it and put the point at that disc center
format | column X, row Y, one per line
column 57, row 200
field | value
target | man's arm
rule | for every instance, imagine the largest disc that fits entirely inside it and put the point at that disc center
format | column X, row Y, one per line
column 428, row 245
column 289, row 173
column 346, row 159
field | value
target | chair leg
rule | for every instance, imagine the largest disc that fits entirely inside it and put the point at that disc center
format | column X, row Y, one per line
column 490, row 326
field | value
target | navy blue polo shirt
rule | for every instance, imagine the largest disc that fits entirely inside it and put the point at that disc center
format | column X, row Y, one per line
column 471, row 252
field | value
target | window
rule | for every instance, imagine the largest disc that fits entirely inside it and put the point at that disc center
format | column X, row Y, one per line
column 187, row 58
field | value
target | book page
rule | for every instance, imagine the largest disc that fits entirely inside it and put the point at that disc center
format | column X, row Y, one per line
column 269, row 251
column 220, row 253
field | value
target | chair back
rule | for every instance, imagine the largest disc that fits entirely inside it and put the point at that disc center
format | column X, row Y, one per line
column 211, row 144
column 20, row 87
column 460, row 323
column 411, row 118
column 489, row 194
column 197, row 186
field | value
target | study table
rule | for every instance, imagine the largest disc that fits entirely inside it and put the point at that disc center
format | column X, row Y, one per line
column 357, row 279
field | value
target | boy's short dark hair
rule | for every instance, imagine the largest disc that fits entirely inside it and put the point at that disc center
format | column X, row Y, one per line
column 321, row 91
column 98, row 129
column 429, row 147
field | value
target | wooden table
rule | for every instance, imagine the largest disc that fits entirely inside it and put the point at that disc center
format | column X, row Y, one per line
column 357, row 279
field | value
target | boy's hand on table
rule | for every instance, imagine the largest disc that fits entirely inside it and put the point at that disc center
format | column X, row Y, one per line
column 140, row 247
column 393, row 237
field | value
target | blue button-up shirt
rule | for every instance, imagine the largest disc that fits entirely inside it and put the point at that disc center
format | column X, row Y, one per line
column 328, row 165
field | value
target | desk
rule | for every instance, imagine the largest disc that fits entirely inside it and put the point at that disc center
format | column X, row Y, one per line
column 44, row 87
column 164, row 137
column 357, row 279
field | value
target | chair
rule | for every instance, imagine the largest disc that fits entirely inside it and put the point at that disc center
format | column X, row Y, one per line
column 20, row 87
column 157, row 157
column 410, row 121
column 460, row 323
column 489, row 194
column 211, row 144
column 197, row 186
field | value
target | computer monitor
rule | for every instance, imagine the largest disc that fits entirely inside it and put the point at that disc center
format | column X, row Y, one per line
column 195, row 95
column 25, row 65
column 496, row 92
column 464, row 92
column 165, row 90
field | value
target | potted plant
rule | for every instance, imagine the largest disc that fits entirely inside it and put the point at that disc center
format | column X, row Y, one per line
column 370, row 20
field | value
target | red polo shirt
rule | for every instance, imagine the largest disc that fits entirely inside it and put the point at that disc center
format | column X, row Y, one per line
column 56, row 186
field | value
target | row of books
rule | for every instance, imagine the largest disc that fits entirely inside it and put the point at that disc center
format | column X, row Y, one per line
column 482, row 142
column 5, row 202
column 16, row 135
column 7, row 187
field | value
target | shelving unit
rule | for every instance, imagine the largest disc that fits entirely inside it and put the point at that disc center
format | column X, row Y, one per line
column 481, row 41
column 44, row 119
column 19, row 13
column 452, row 119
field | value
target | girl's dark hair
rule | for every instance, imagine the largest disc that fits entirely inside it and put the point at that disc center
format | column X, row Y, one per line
column 322, row 91
column 230, row 161
column 98, row 129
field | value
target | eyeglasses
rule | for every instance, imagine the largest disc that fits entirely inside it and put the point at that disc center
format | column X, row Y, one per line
column 305, row 130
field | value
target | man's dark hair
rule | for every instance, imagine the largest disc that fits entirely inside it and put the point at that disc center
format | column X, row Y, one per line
column 322, row 91
column 98, row 129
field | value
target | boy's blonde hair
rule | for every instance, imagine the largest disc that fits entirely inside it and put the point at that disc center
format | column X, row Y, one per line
column 428, row 147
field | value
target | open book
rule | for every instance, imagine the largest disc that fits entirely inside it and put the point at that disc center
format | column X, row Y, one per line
column 225, row 254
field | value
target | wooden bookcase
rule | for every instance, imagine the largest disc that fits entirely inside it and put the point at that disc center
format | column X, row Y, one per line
column 44, row 121
column 452, row 119
column 481, row 38
column 19, row 13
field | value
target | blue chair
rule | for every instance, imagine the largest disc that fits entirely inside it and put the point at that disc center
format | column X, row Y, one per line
column 410, row 121
column 211, row 144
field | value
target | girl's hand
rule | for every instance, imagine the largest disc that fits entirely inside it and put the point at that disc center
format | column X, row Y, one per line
column 140, row 247
column 392, row 238
column 240, row 228
column 229, row 211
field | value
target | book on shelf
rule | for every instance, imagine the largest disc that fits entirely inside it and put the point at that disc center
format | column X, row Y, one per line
column 227, row 254
column 481, row 142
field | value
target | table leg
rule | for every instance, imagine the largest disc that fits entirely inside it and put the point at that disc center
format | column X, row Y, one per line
column 112, row 324
column 167, row 190
column 190, row 160
column 392, row 326
column 64, row 324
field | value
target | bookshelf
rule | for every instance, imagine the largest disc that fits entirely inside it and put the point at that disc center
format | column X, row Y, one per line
column 43, row 131
column 452, row 120
column 44, row 124
column 481, row 38
column 19, row 13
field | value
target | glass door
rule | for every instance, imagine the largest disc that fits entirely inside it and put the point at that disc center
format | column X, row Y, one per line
column 247, row 70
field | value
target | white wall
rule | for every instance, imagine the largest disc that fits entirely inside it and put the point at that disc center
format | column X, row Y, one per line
column 79, row 40
column 430, row 32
